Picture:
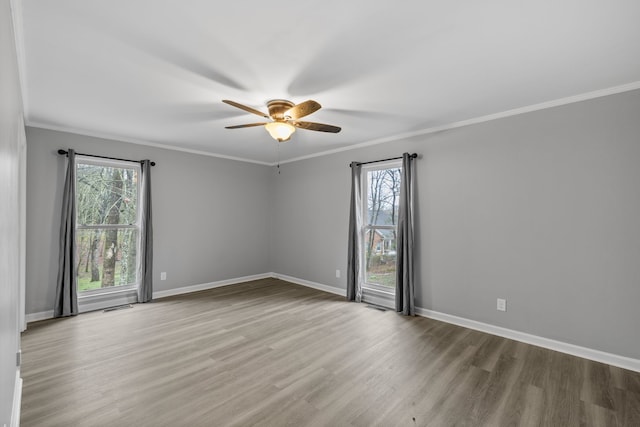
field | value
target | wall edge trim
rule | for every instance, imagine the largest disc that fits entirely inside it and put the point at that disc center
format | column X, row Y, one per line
column 210, row 285
column 36, row 317
column 628, row 87
column 476, row 120
column 101, row 135
column 17, row 400
column 310, row 284
column 548, row 343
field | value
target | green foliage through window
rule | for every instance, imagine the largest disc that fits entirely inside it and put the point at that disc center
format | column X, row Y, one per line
column 106, row 225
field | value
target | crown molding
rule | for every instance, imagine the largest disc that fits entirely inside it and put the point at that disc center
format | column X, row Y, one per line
column 101, row 135
column 397, row 137
column 490, row 117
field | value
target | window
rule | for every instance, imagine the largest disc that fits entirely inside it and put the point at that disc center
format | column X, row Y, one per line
column 107, row 225
column 381, row 190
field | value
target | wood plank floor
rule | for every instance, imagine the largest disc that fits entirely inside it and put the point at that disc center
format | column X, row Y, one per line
column 272, row 353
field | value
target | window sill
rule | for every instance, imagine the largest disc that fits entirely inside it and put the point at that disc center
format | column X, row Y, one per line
column 106, row 299
column 379, row 297
column 105, row 292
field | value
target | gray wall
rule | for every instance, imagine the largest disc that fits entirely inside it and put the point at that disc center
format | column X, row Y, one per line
column 11, row 143
column 210, row 214
column 310, row 219
column 542, row 209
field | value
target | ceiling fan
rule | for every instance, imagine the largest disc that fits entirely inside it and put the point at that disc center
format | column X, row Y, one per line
column 284, row 115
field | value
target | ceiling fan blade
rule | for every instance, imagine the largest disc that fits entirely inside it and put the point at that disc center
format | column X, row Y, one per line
column 317, row 126
column 244, row 126
column 245, row 108
column 303, row 109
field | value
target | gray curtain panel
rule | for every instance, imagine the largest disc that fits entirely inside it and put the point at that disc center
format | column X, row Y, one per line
column 354, row 285
column 145, row 290
column 404, row 245
column 66, row 303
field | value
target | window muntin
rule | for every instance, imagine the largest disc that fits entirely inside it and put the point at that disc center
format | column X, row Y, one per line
column 107, row 225
column 381, row 191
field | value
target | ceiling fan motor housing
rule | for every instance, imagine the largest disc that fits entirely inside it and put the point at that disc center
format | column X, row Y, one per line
column 277, row 107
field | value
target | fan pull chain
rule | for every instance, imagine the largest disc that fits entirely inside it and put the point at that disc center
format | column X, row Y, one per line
column 278, row 157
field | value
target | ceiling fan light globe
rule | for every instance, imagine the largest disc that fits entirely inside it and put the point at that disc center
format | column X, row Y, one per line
column 280, row 131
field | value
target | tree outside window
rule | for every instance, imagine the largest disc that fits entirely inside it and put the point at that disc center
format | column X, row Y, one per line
column 107, row 224
column 382, row 188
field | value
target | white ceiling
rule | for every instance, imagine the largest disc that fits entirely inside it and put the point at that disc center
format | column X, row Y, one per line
column 156, row 71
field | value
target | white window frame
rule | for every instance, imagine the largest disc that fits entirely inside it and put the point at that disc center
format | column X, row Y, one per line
column 372, row 292
column 106, row 297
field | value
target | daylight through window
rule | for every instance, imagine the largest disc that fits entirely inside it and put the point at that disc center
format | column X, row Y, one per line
column 382, row 192
column 107, row 224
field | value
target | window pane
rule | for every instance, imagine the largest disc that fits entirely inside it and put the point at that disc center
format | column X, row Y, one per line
column 380, row 266
column 106, row 258
column 383, row 200
column 106, row 195
column 383, row 196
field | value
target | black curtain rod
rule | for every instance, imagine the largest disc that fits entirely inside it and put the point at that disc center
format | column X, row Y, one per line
column 64, row 153
column 412, row 156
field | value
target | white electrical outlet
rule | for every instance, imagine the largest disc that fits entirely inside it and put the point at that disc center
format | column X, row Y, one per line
column 337, row 274
column 502, row 304
column 163, row 275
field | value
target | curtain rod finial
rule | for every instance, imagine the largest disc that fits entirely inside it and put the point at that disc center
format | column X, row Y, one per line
column 62, row 152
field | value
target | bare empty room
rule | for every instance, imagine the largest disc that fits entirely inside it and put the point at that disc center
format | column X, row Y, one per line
column 319, row 214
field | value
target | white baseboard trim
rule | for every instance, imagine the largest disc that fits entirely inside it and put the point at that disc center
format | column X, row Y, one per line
column 310, row 284
column 44, row 315
column 211, row 285
column 35, row 317
column 83, row 307
column 17, row 401
column 563, row 347
column 369, row 298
